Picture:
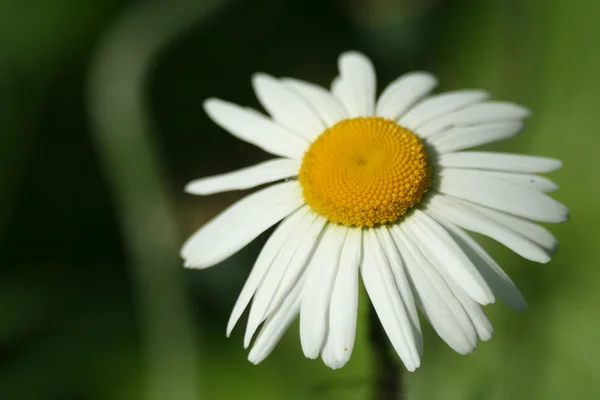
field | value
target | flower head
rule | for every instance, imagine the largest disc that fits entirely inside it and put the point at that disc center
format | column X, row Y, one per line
column 381, row 187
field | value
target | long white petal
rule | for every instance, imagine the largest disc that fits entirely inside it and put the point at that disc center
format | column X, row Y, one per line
column 439, row 304
column 262, row 264
column 399, row 96
column 500, row 283
column 398, row 269
column 344, row 303
column 446, row 256
column 324, row 103
column 316, row 295
column 245, row 178
column 253, row 127
column 499, row 161
column 438, row 259
column 438, row 105
column 501, row 195
column 286, row 106
column 342, row 91
column 465, row 216
column 299, row 261
column 480, row 321
column 529, row 181
column 276, row 325
column 461, row 138
column 476, row 114
column 532, row 231
column 358, row 75
column 241, row 223
column 272, row 280
column 383, row 292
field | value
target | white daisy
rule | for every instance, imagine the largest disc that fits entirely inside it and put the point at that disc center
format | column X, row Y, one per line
column 384, row 187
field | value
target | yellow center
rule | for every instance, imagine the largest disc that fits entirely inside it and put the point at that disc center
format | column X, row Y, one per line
column 365, row 171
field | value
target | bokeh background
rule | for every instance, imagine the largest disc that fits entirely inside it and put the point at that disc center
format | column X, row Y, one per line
column 101, row 126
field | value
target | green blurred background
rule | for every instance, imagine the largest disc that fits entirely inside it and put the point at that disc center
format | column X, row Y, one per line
column 101, row 126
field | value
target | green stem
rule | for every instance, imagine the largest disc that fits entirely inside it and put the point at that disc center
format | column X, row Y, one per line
column 387, row 368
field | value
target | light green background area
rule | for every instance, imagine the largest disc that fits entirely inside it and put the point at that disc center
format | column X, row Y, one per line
column 543, row 55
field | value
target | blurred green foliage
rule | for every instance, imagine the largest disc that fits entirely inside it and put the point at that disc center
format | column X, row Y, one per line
column 69, row 325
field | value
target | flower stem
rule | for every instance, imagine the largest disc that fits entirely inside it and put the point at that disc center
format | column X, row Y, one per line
column 388, row 378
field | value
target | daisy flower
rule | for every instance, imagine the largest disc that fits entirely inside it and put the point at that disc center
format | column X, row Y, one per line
column 382, row 188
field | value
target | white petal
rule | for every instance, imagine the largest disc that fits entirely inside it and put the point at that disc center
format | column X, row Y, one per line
column 394, row 257
column 272, row 280
column 287, row 107
column 500, row 283
column 501, row 195
column 358, row 77
column 383, row 292
column 480, row 321
column 262, row 264
column 344, row 304
column 397, row 98
column 276, row 325
column 532, row 231
column 324, row 103
column 316, row 294
column 443, row 310
column 463, row 138
column 253, row 127
column 463, row 215
column 241, row 223
column 529, row 181
column 299, row 261
column 499, row 161
column 476, row 114
column 245, row 178
column 342, row 91
column 438, row 105
column 436, row 244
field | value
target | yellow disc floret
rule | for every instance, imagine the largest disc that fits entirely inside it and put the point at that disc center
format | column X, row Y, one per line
column 365, row 171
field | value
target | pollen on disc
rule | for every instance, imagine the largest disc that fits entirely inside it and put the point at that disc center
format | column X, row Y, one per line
column 365, row 171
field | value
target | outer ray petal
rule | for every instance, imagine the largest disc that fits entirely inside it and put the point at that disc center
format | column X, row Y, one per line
column 438, row 105
column 344, row 303
column 528, row 181
column 267, row 288
column 383, row 292
column 397, row 98
column 461, row 138
column 532, row 231
column 500, row 283
column 442, row 251
column 316, row 295
column 325, row 104
column 298, row 264
column 276, row 325
column 442, row 309
column 480, row 321
column 358, row 79
column 262, row 264
column 245, row 178
column 501, row 195
column 499, row 161
column 241, row 223
column 253, row 127
column 454, row 281
column 397, row 266
column 474, row 115
column 287, row 107
column 466, row 217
